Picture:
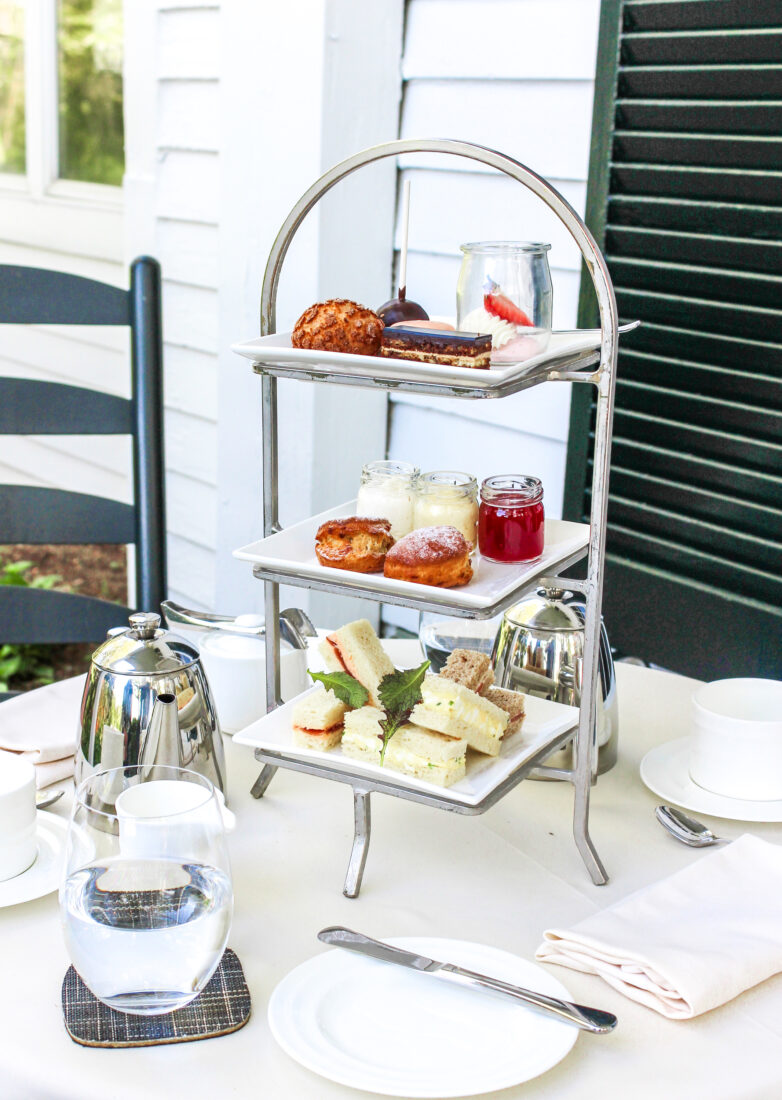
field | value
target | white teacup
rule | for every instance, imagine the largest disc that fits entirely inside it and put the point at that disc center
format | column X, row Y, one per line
column 18, row 843
column 170, row 818
column 736, row 745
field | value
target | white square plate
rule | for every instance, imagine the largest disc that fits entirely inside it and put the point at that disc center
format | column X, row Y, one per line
column 565, row 348
column 292, row 552
column 543, row 721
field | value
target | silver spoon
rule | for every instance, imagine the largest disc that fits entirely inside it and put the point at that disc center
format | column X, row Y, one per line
column 49, row 799
column 687, row 829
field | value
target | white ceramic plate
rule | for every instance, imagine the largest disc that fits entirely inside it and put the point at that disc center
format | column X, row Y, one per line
column 564, row 349
column 44, row 875
column 543, row 721
column 376, row 1026
column 292, row 552
column 665, row 770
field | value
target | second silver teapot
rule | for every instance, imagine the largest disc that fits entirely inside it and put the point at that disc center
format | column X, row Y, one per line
column 539, row 650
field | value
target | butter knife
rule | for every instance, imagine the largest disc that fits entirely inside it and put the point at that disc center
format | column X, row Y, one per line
column 590, row 1019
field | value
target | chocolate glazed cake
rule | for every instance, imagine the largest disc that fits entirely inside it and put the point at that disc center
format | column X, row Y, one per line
column 451, row 349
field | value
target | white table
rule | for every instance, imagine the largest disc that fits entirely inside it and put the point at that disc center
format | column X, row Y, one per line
column 498, row 879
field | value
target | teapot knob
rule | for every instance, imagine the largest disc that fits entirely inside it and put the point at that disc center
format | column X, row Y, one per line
column 144, row 624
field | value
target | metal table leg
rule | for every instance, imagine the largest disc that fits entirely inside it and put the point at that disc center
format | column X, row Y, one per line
column 358, row 855
column 258, row 789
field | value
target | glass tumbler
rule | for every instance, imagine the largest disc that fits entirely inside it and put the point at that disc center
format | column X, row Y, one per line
column 146, row 901
column 504, row 289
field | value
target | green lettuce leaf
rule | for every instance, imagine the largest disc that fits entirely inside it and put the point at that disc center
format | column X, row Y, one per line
column 346, row 687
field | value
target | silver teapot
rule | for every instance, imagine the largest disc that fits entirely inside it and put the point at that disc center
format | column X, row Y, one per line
column 539, row 650
column 147, row 702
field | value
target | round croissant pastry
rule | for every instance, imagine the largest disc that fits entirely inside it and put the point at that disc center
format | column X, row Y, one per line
column 356, row 543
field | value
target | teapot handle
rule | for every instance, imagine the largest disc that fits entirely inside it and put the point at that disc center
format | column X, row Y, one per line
column 295, row 625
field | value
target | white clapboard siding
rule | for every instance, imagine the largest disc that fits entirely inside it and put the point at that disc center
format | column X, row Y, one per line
column 517, row 76
column 187, row 214
column 52, row 462
column 498, row 39
column 49, row 354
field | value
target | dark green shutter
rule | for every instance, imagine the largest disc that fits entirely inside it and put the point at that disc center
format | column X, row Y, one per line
column 685, row 198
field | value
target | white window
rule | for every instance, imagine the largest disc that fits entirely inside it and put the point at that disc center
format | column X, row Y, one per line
column 61, row 132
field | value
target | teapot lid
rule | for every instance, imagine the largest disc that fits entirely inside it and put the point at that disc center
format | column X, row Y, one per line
column 546, row 611
column 144, row 649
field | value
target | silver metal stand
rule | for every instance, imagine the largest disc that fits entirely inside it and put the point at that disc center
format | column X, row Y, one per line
column 603, row 377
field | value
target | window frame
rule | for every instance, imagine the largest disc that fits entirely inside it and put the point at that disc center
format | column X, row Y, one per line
column 40, row 180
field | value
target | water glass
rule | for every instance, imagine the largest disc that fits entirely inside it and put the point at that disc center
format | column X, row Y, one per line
column 146, row 901
column 440, row 635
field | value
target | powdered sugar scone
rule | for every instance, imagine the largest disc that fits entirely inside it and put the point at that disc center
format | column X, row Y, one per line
column 431, row 555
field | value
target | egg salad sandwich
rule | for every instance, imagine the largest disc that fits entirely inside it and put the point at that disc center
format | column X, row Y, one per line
column 412, row 750
column 355, row 648
column 317, row 720
column 453, row 709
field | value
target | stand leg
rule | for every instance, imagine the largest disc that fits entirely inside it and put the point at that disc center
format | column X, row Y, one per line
column 258, row 789
column 358, row 855
column 583, row 840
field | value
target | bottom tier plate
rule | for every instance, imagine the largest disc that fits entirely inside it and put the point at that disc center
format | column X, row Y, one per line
column 544, row 722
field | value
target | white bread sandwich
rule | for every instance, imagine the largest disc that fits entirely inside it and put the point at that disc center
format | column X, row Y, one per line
column 470, row 668
column 512, row 702
column 317, row 720
column 355, row 648
column 412, row 750
column 453, row 709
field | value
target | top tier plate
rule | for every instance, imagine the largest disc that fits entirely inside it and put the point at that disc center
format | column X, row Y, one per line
column 574, row 349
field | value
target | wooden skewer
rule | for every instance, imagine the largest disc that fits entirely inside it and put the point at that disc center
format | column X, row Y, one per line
column 405, row 228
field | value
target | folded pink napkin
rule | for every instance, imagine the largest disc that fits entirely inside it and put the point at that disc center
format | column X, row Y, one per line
column 41, row 725
column 690, row 942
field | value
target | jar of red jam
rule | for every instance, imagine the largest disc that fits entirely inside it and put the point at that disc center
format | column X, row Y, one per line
column 510, row 518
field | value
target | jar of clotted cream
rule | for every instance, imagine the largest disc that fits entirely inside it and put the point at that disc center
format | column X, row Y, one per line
column 448, row 498
column 387, row 491
column 510, row 519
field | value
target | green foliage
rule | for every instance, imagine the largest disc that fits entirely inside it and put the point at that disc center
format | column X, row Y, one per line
column 18, row 662
column 90, row 80
column 399, row 692
column 12, row 131
column 346, row 688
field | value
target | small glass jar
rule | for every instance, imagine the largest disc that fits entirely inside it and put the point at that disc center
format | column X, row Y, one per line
column 447, row 497
column 510, row 520
column 504, row 290
column 387, row 491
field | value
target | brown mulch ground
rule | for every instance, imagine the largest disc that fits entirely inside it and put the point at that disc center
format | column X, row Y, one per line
column 92, row 571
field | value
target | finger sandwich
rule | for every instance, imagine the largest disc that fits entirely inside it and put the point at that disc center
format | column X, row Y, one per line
column 412, row 750
column 471, row 668
column 317, row 720
column 453, row 709
column 355, row 648
column 512, row 702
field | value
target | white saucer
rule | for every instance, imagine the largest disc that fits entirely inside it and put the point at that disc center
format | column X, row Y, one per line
column 44, row 875
column 390, row 1030
column 665, row 770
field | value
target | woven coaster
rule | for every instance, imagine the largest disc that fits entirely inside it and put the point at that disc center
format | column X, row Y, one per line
column 223, row 1006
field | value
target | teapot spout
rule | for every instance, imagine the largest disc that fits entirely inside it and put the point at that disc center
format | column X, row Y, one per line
column 162, row 743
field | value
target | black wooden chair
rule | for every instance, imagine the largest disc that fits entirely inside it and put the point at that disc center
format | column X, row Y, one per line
column 31, row 295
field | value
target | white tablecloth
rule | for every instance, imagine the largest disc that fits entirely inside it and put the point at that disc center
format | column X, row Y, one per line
column 498, row 879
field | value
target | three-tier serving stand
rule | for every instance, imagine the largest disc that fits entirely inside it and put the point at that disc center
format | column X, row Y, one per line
column 596, row 368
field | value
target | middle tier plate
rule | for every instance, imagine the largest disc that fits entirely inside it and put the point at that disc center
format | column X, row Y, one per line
column 289, row 556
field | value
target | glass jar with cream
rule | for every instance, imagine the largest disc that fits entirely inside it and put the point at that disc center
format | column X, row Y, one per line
column 448, row 498
column 387, row 491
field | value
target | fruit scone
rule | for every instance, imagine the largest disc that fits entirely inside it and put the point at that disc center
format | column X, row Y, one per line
column 412, row 750
column 453, row 709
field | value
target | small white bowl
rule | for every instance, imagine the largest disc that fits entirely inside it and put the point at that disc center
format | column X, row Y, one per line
column 736, row 747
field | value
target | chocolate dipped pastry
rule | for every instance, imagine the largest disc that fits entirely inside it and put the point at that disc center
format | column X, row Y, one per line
column 450, row 349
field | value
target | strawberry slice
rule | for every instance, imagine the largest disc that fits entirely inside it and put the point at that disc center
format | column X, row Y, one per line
column 499, row 305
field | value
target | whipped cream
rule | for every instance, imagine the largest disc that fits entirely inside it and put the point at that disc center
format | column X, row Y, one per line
column 480, row 320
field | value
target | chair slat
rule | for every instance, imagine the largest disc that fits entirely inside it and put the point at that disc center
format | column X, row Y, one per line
column 52, row 408
column 35, row 296
column 45, row 616
column 37, row 515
